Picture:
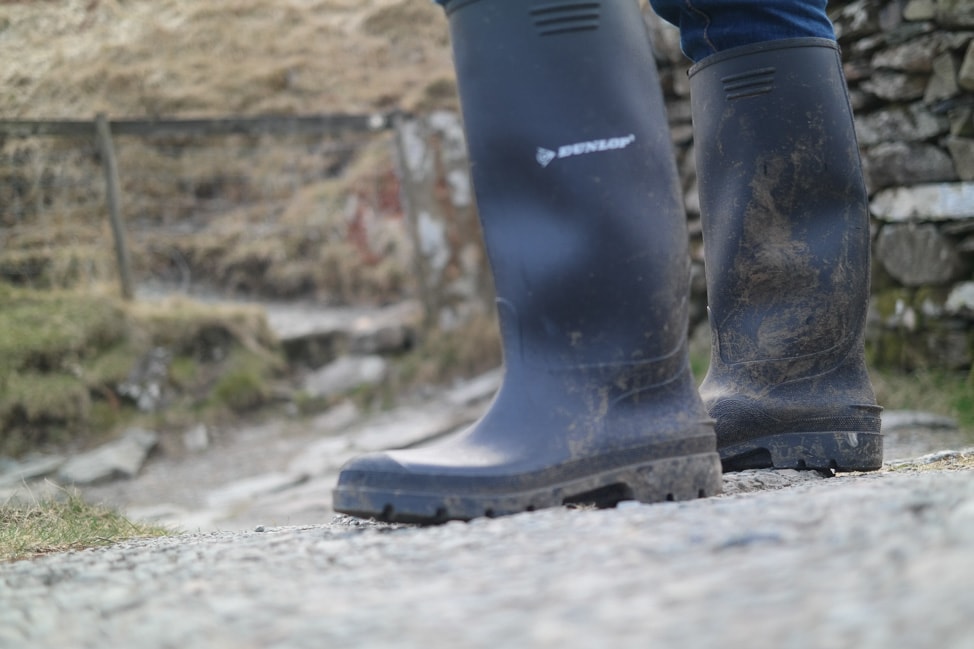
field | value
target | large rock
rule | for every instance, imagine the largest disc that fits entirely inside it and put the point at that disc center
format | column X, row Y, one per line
column 122, row 458
column 931, row 202
column 918, row 255
column 31, row 468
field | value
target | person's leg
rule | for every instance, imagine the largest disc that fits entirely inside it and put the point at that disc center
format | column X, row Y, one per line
column 580, row 204
column 711, row 26
column 786, row 236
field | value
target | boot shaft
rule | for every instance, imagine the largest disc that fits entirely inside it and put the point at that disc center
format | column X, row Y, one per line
column 786, row 226
column 576, row 186
column 786, row 242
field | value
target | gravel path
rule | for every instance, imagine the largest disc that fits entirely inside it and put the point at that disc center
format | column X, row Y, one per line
column 877, row 560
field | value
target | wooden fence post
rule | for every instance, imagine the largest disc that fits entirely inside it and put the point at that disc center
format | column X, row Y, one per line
column 107, row 150
column 438, row 199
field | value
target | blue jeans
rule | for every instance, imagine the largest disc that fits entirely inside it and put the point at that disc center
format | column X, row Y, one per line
column 710, row 26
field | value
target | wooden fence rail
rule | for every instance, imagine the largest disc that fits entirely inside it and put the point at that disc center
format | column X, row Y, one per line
column 337, row 124
column 103, row 129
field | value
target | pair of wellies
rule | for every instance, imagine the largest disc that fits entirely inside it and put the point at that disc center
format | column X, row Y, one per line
column 582, row 216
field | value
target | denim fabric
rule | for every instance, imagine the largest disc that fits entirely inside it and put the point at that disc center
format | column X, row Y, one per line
column 710, row 26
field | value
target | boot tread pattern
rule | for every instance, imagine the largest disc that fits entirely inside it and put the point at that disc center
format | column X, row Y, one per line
column 667, row 480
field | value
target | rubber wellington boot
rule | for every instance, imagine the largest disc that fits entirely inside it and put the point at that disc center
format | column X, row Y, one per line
column 786, row 244
column 579, row 202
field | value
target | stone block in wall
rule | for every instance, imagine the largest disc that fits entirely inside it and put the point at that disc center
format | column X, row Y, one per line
column 931, row 202
column 962, row 122
column 911, row 329
column 962, row 152
column 912, row 56
column 918, row 255
column 916, row 10
column 955, row 13
column 856, row 19
column 896, row 86
column 900, row 163
column 948, row 344
column 665, row 38
column 965, row 76
column 960, row 302
column 912, row 123
column 943, row 80
column 943, row 345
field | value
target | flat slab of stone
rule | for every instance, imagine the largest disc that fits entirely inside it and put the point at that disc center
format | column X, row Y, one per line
column 930, row 202
column 316, row 335
column 345, row 374
column 18, row 473
column 119, row 459
column 913, row 419
column 960, row 301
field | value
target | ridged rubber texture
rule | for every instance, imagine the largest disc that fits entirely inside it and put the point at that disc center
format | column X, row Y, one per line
column 581, row 210
column 786, row 243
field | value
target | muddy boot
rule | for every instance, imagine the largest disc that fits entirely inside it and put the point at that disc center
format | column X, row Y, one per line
column 786, row 240
column 580, row 206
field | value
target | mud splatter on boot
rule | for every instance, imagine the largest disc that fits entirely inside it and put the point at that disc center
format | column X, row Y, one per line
column 786, row 241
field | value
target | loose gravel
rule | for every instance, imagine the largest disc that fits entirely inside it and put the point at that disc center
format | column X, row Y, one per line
column 880, row 560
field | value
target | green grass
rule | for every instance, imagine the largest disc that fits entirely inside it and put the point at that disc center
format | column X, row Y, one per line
column 938, row 391
column 63, row 355
column 64, row 524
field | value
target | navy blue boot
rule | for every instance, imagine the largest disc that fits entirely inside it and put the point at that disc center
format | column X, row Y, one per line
column 786, row 243
column 580, row 205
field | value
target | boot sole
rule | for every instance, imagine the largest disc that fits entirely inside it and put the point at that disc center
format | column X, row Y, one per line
column 670, row 479
column 836, row 451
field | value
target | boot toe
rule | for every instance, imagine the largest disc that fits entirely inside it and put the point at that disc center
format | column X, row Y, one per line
column 368, row 469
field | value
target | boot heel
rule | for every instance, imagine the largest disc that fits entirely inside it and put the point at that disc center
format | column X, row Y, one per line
column 836, row 451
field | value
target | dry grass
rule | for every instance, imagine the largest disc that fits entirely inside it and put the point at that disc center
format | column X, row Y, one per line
column 67, row 523
column 75, row 58
column 255, row 215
